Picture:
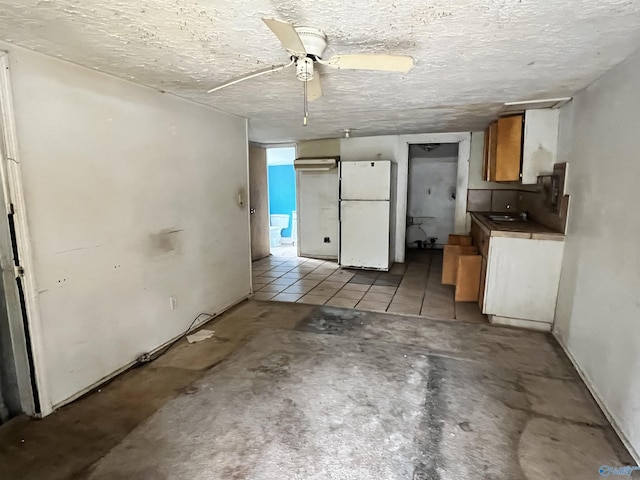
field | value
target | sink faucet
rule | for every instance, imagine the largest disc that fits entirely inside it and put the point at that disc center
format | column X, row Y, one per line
column 508, row 206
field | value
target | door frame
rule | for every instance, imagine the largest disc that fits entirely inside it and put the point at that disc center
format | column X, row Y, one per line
column 462, row 184
column 26, row 333
column 250, row 202
column 293, row 145
column 457, row 182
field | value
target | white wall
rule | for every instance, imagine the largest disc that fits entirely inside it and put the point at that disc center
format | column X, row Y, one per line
column 598, row 310
column 131, row 197
column 318, row 214
column 317, row 194
column 280, row 155
column 432, row 191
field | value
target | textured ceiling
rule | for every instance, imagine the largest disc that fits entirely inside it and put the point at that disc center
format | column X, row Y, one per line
column 471, row 55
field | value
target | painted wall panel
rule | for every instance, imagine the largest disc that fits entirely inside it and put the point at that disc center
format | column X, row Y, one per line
column 132, row 197
column 318, row 202
column 598, row 311
column 318, row 214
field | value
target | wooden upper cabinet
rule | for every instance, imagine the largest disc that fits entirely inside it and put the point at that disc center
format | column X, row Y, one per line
column 503, row 150
column 490, row 137
column 518, row 148
column 508, row 150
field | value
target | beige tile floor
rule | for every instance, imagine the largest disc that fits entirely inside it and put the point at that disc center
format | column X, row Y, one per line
column 411, row 288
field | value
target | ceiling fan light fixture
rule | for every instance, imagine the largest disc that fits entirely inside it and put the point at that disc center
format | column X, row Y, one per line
column 304, row 69
column 305, row 46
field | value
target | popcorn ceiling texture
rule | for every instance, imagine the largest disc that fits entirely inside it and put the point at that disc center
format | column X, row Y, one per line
column 471, row 55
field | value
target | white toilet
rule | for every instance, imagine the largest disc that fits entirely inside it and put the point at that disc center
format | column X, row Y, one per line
column 278, row 223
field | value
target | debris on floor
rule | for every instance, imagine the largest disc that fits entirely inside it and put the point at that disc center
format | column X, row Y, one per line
column 200, row 335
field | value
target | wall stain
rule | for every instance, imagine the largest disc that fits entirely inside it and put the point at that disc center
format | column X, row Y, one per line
column 165, row 241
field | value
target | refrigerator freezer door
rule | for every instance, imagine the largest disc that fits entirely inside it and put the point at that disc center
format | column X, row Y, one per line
column 364, row 234
column 365, row 180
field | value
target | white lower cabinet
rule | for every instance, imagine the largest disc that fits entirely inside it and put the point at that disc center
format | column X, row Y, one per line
column 521, row 283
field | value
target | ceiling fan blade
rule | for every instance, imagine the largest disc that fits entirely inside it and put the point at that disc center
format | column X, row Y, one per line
column 287, row 35
column 314, row 88
column 257, row 73
column 388, row 63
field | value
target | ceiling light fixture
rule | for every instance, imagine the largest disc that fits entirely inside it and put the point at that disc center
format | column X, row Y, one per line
column 347, row 132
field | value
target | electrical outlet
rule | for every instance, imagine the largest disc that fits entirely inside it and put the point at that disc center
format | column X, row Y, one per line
column 173, row 303
column 327, row 240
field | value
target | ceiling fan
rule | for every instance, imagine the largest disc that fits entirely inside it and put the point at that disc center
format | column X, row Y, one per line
column 305, row 46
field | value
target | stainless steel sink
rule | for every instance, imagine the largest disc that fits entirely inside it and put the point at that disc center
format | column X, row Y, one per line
column 508, row 218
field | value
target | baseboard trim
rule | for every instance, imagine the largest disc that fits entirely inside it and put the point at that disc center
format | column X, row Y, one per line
column 131, row 364
column 318, row 257
column 520, row 323
column 623, row 438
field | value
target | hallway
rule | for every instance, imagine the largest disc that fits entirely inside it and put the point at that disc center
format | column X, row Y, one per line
column 295, row 391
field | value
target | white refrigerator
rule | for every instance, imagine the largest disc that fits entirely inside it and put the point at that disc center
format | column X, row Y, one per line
column 365, row 198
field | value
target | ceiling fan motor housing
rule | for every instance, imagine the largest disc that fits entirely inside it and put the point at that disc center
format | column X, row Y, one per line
column 313, row 39
column 304, row 69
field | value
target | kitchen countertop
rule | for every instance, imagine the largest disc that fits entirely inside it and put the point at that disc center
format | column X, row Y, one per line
column 528, row 229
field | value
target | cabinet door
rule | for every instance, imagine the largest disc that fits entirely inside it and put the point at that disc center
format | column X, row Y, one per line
column 522, row 278
column 490, row 137
column 540, row 144
column 485, row 155
column 508, row 150
column 483, row 283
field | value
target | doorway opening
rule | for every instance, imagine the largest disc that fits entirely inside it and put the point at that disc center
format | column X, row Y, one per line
column 281, row 181
column 19, row 388
column 433, row 207
column 431, row 195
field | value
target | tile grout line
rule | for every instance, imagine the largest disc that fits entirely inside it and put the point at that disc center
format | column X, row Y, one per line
column 278, row 264
column 288, row 271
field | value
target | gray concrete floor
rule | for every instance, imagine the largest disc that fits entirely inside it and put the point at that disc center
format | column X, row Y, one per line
column 295, row 391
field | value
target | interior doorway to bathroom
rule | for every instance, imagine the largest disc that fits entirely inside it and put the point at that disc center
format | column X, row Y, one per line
column 281, row 180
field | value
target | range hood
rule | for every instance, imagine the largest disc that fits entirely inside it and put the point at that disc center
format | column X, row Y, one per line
column 315, row 164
